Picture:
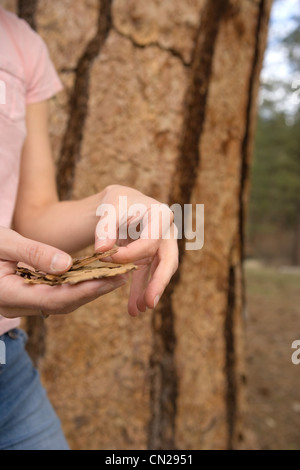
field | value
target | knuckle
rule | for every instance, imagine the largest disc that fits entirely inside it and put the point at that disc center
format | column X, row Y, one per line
column 34, row 253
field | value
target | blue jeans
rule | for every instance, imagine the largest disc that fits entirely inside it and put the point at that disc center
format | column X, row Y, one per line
column 27, row 419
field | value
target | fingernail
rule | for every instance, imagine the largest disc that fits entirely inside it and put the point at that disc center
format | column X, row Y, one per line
column 156, row 300
column 108, row 259
column 101, row 243
column 60, row 262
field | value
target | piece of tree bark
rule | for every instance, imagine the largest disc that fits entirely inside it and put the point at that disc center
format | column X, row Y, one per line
column 83, row 269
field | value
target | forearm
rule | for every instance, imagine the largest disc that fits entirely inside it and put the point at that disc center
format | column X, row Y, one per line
column 68, row 225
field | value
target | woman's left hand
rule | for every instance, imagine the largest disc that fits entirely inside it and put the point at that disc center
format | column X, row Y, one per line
column 145, row 232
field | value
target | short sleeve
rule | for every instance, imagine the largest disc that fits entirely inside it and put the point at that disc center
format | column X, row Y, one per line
column 42, row 81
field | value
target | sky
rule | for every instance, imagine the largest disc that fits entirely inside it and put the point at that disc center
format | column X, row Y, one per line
column 276, row 66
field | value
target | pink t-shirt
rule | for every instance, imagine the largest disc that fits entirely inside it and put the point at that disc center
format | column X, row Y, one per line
column 27, row 75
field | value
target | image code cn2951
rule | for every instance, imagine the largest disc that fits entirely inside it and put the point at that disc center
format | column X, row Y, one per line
column 169, row 459
column 152, row 459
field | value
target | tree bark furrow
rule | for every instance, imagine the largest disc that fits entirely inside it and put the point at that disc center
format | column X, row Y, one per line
column 164, row 386
column 235, row 286
column 253, row 78
column 78, row 107
column 27, row 10
column 230, row 362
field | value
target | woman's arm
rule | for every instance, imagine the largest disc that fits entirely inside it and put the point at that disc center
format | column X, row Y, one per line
column 41, row 217
column 68, row 225
column 71, row 225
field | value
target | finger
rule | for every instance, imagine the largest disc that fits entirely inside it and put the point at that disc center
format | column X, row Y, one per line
column 157, row 222
column 166, row 268
column 145, row 247
column 136, row 250
column 16, row 295
column 141, row 301
column 104, row 244
column 106, row 228
column 138, row 285
column 46, row 258
column 16, row 312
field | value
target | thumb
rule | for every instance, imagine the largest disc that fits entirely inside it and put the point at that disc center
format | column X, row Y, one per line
column 38, row 255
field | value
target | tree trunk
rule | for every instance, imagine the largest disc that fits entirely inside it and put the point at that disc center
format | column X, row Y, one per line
column 161, row 96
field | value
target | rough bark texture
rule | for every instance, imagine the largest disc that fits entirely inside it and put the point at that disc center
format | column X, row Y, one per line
column 159, row 95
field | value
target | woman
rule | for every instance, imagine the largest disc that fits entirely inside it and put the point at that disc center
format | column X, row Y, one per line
column 44, row 231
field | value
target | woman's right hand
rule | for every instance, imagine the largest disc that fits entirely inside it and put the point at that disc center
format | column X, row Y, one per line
column 19, row 299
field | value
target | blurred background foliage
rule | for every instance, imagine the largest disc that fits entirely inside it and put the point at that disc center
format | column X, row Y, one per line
column 273, row 242
column 274, row 210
